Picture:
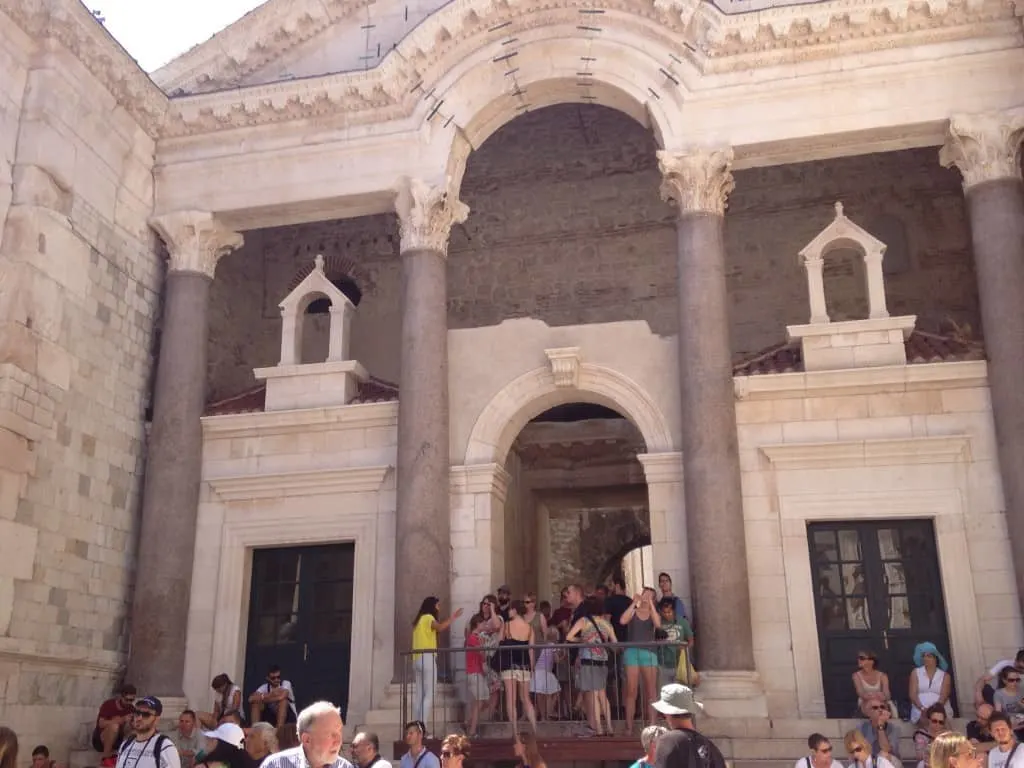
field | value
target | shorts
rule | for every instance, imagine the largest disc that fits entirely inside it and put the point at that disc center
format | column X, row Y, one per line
column 518, row 675
column 593, row 677
column 640, row 657
column 479, row 686
column 97, row 739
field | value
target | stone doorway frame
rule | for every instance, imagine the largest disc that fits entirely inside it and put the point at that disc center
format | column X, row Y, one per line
column 479, row 487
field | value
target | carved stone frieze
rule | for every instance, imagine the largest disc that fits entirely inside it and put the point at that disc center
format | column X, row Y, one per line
column 426, row 214
column 195, row 240
column 69, row 23
column 985, row 147
column 697, row 180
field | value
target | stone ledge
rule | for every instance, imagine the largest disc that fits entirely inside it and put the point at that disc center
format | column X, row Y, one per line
column 283, row 484
column 867, row 453
column 304, row 421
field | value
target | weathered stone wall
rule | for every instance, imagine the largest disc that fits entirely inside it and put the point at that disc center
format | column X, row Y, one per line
column 587, row 546
column 78, row 300
column 566, row 226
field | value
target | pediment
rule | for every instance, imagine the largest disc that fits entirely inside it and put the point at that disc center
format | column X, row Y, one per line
column 285, row 40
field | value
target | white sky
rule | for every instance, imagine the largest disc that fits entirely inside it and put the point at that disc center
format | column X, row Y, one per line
column 155, row 31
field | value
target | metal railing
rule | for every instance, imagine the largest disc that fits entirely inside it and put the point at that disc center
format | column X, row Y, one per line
column 588, row 686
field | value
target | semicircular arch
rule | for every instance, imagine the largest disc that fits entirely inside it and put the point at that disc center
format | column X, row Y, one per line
column 534, row 392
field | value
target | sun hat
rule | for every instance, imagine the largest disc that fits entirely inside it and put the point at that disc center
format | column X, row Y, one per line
column 677, row 699
column 228, row 733
column 922, row 648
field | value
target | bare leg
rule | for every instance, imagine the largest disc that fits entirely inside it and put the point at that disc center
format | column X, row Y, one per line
column 282, row 712
column 632, row 683
column 650, row 681
column 109, row 738
column 605, row 707
column 254, row 712
column 590, row 705
column 524, row 697
column 474, row 715
column 510, row 702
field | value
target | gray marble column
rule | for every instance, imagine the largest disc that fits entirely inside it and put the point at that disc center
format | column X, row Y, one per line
column 698, row 182
column 171, row 491
column 987, row 151
column 422, row 540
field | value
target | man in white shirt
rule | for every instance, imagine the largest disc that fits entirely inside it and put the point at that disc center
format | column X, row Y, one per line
column 274, row 701
column 321, row 731
column 1008, row 752
column 149, row 749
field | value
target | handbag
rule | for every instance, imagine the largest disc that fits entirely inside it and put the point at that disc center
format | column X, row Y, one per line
column 686, row 673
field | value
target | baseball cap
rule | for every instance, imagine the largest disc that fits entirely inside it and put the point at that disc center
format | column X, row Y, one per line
column 227, row 732
column 152, row 702
column 677, row 699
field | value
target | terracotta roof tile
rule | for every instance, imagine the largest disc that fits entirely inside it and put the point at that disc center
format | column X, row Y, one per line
column 922, row 347
column 373, row 390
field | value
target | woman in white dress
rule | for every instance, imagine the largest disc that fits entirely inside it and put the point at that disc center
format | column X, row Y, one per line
column 929, row 683
column 820, row 755
column 860, row 752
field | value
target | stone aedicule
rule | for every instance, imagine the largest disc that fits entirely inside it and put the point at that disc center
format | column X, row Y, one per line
column 985, row 147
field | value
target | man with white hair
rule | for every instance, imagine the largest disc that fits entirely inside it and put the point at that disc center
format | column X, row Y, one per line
column 682, row 746
column 320, row 734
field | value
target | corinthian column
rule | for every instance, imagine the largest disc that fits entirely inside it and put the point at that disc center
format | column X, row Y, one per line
column 422, row 541
column 171, row 492
column 987, row 151
column 698, row 182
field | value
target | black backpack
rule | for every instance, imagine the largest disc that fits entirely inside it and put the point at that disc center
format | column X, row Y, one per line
column 158, row 748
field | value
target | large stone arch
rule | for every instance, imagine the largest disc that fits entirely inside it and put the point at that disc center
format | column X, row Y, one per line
column 534, row 392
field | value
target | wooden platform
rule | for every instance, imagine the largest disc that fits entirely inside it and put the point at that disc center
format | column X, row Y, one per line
column 554, row 749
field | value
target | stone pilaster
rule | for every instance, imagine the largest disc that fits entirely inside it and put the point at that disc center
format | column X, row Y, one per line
column 698, row 183
column 986, row 149
column 171, row 493
column 423, row 555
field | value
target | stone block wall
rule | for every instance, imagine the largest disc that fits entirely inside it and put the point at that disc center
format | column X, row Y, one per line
column 79, row 297
column 566, row 226
column 900, row 443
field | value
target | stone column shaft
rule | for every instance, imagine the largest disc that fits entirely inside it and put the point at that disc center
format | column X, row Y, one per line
column 171, row 490
column 423, row 554
column 698, row 182
column 987, row 151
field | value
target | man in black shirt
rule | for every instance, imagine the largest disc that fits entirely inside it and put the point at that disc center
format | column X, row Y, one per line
column 504, row 601
column 616, row 604
column 682, row 746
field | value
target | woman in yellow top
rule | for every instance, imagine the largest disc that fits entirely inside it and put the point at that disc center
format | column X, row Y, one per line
column 425, row 627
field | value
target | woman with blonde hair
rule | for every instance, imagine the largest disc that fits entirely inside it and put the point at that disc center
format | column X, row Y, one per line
column 8, row 748
column 953, row 750
column 454, row 751
column 526, row 749
column 860, row 752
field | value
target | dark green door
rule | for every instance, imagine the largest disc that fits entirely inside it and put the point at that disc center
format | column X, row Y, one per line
column 876, row 587
column 300, row 618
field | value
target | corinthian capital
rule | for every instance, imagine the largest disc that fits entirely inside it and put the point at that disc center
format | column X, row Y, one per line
column 984, row 147
column 697, row 180
column 426, row 214
column 195, row 240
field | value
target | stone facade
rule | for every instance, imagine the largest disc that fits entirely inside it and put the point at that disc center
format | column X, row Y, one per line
column 566, row 226
column 80, row 282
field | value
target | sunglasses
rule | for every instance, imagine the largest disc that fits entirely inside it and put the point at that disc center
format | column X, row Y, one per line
column 825, row 750
column 1013, row 679
column 143, row 713
column 865, row 658
column 877, row 708
column 447, row 753
column 937, row 722
column 856, row 750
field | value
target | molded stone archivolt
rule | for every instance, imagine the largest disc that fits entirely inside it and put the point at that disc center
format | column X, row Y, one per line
column 708, row 39
column 985, row 147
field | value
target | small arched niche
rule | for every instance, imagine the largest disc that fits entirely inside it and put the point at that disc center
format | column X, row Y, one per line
column 292, row 384
column 873, row 341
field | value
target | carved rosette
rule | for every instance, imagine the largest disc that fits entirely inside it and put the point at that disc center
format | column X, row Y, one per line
column 426, row 214
column 984, row 147
column 697, row 180
column 195, row 241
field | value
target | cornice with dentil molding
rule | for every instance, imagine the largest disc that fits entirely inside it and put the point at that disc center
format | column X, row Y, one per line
column 69, row 23
column 697, row 180
column 698, row 33
column 195, row 241
column 985, row 147
column 426, row 215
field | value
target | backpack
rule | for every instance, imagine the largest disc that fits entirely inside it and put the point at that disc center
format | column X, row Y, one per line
column 158, row 748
